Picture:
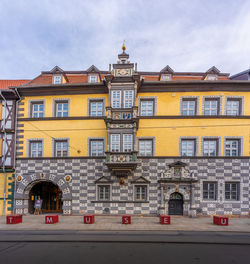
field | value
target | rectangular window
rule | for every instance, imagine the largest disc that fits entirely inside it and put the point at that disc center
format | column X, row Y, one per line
column 210, row 147
column 37, row 109
column 211, row 107
column 93, row 78
column 188, row 147
column 210, row 190
column 145, row 147
column 57, row 79
column 61, row 148
column 62, row 108
column 233, row 107
column 104, row 192
column 147, row 108
column 128, row 98
column 127, row 142
column 232, row 190
column 189, row 107
column 36, row 149
column 116, row 99
column 96, row 147
column 96, row 108
column 140, row 192
column 232, row 147
column 115, row 142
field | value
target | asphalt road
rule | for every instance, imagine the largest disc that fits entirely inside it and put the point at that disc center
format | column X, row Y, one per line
column 124, row 247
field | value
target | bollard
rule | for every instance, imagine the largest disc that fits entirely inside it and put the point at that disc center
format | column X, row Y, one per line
column 51, row 219
column 88, row 219
column 165, row 219
column 14, row 219
column 126, row 219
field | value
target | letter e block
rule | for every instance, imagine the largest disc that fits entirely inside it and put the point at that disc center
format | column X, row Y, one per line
column 165, row 219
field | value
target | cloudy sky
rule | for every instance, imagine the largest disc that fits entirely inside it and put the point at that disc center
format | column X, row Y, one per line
column 188, row 35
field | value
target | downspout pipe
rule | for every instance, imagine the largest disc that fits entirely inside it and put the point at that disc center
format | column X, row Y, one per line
column 14, row 164
column 4, row 152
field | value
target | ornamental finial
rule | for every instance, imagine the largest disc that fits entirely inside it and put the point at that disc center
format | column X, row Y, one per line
column 123, row 46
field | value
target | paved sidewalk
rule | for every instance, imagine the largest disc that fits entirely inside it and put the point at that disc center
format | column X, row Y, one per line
column 139, row 223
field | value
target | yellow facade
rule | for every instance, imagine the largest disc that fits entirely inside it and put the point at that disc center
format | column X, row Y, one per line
column 166, row 131
column 8, row 181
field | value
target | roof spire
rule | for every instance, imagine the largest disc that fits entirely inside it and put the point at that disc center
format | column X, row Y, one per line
column 123, row 46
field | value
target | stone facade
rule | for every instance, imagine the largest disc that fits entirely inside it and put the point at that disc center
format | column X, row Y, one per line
column 79, row 191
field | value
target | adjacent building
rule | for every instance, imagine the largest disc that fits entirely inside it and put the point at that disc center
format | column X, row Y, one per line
column 127, row 141
column 8, row 100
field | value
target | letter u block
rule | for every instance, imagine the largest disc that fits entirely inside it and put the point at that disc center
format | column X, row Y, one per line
column 223, row 221
column 165, row 219
column 88, row 219
column 126, row 219
column 51, row 219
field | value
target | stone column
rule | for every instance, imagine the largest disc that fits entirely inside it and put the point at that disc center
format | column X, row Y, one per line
column 162, row 205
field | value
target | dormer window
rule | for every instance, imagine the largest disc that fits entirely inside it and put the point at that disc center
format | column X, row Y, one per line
column 166, row 77
column 211, row 77
column 93, row 78
column 57, row 79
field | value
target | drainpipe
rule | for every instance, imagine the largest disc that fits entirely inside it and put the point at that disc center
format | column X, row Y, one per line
column 4, row 152
column 14, row 164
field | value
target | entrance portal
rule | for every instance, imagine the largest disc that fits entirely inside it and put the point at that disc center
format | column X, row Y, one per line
column 49, row 193
column 175, row 204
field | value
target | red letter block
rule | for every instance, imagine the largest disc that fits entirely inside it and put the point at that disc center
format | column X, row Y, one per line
column 220, row 220
column 51, row 219
column 165, row 219
column 223, row 221
column 126, row 219
column 88, row 219
column 14, row 219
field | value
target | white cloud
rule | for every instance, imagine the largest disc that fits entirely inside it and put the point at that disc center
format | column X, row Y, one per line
column 187, row 35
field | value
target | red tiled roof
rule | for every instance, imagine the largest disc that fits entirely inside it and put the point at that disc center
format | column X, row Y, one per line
column 4, row 84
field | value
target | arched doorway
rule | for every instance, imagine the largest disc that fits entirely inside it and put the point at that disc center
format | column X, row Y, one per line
column 175, row 204
column 49, row 193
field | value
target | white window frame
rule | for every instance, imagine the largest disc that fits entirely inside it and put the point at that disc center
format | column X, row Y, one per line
column 211, row 109
column 57, row 79
column 237, row 192
column 115, row 140
column 145, row 151
column 38, row 112
column 62, row 150
column 194, row 147
column 214, row 198
column 93, row 78
column 57, row 103
column 140, row 186
column 127, row 142
column 147, row 111
column 188, row 100
column 166, row 77
column 96, row 112
column 31, row 142
column 96, row 151
column 209, row 147
column 99, row 198
column 230, row 111
column 116, row 102
column 231, row 148
column 128, row 98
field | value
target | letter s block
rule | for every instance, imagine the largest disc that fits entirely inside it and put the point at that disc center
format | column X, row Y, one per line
column 126, row 219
